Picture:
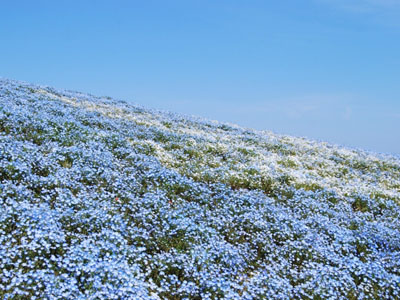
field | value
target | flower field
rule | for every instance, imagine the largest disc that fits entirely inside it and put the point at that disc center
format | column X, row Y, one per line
column 101, row 199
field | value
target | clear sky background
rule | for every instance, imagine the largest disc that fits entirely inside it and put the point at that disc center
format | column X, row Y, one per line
column 324, row 69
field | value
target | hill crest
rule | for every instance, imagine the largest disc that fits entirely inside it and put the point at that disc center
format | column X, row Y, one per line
column 102, row 198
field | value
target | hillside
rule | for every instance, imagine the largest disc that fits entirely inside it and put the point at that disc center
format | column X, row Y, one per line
column 101, row 199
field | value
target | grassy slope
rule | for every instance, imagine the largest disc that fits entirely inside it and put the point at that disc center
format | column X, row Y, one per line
column 102, row 199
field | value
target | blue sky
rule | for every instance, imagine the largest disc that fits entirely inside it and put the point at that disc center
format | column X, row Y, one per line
column 324, row 69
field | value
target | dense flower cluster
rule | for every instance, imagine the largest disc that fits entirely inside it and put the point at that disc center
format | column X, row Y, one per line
column 100, row 199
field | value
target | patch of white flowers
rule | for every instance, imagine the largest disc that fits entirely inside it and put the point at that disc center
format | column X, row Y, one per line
column 100, row 199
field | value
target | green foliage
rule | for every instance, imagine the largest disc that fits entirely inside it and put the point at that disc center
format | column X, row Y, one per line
column 360, row 204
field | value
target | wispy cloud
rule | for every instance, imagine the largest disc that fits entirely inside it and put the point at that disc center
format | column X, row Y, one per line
column 394, row 115
column 312, row 105
column 303, row 107
column 387, row 11
column 364, row 5
column 347, row 113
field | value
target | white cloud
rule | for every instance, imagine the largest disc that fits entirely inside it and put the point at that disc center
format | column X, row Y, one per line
column 394, row 115
column 384, row 12
column 387, row 3
column 365, row 6
column 302, row 107
column 309, row 105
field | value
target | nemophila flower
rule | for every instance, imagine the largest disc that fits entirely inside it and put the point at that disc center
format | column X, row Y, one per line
column 100, row 199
